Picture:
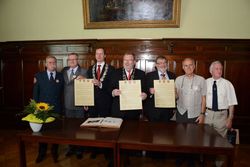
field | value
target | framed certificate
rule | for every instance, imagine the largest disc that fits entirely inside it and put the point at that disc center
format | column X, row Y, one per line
column 164, row 93
column 84, row 92
column 130, row 98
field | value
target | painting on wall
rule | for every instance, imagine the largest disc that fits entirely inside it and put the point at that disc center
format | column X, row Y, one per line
column 131, row 13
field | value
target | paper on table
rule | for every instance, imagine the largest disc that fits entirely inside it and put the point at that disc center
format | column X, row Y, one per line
column 164, row 93
column 84, row 92
column 130, row 98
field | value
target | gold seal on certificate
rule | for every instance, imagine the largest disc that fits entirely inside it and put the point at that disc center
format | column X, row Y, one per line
column 130, row 98
column 84, row 92
column 164, row 93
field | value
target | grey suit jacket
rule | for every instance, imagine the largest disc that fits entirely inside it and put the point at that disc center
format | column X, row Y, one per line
column 69, row 103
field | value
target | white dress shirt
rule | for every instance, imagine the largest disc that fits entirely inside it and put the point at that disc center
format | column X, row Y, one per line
column 54, row 74
column 225, row 91
column 70, row 69
column 101, row 67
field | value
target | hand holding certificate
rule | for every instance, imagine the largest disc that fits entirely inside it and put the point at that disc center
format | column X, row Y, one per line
column 84, row 92
column 164, row 93
column 130, row 97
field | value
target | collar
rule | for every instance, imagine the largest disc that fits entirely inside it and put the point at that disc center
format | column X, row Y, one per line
column 74, row 69
column 131, row 71
column 102, row 64
column 48, row 72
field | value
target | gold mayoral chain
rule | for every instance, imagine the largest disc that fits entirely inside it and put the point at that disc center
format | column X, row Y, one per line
column 104, row 73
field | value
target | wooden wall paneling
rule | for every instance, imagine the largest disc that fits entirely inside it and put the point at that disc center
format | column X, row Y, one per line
column 30, row 68
column 12, row 78
column 24, row 59
column 237, row 71
column 86, row 60
column 1, row 76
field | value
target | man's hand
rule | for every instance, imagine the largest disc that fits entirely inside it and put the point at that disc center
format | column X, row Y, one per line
column 229, row 123
column 96, row 82
column 79, row 77
column 152, row 91
column 143, row 96
column 116, row 92
column 200, row 119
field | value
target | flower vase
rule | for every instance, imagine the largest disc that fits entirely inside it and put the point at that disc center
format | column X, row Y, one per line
column 36, row 127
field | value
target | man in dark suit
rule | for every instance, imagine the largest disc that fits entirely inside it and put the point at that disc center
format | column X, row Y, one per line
column 70, row 73
column 101, row 73
column 153, row 113
column 127, row 72
column 48, row 88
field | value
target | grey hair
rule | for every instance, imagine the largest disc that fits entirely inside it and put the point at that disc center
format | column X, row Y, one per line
column 212, row 65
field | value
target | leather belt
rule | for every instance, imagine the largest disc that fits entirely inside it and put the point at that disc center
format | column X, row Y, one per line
column 216, row 110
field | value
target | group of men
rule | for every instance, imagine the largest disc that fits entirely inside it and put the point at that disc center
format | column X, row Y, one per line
column 198, row 100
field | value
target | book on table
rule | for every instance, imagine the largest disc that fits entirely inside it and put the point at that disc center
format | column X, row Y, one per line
column 107, row 122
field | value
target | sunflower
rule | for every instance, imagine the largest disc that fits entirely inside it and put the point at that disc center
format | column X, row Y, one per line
column 42, row 112
column 42, row 106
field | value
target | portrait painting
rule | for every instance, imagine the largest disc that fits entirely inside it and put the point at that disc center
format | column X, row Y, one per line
column 131, row 13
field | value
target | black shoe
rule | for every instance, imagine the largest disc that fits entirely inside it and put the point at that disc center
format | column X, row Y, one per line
column 55, row 157
column 54, row 152
column 93, row 155
column 111, row 164
column 79, row 155
column 69, row 153
column 40, row 158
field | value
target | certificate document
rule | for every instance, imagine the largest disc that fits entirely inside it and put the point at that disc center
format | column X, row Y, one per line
column 164, row 93
column 84, row 92
column 130, row 98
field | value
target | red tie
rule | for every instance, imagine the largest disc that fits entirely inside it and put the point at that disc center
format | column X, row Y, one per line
column 98, row 72
column 129, row 76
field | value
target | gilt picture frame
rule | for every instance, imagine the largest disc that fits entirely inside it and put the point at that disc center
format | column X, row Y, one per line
column 101, row 14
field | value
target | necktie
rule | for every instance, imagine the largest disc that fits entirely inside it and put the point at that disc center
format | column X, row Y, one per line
column 51, row 78
column 129, row 75
column 163, row 76
column 215, row 98
column 71, row 74
column 99, row 72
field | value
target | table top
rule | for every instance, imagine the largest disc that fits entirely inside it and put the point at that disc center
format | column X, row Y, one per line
column 171, row 135
column 69, row 129
column 140, row 134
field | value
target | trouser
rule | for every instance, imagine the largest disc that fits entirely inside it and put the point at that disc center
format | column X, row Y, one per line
column 43, row 149
column 217, row 119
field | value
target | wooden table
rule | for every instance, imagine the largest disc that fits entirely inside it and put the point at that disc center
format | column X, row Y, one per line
column 173, row 137
column 68, row 131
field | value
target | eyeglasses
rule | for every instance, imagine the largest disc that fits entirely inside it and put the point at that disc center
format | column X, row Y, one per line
column 71, row 59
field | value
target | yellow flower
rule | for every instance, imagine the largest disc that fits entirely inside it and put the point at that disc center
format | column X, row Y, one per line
column 42, row 106
column 39, row 112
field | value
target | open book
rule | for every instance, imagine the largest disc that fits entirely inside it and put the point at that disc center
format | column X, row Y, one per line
column 107, row 122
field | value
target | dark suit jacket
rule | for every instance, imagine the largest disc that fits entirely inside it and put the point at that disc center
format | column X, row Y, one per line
column 103, row 98
column 69, row 102
column 49, row 91
column 156, row 114
column 118, row 75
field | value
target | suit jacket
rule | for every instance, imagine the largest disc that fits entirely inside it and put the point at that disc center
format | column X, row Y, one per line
column 49, row 91
column 103, row 98
column 69, row 102
column 118, row 75
column 151, row 112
